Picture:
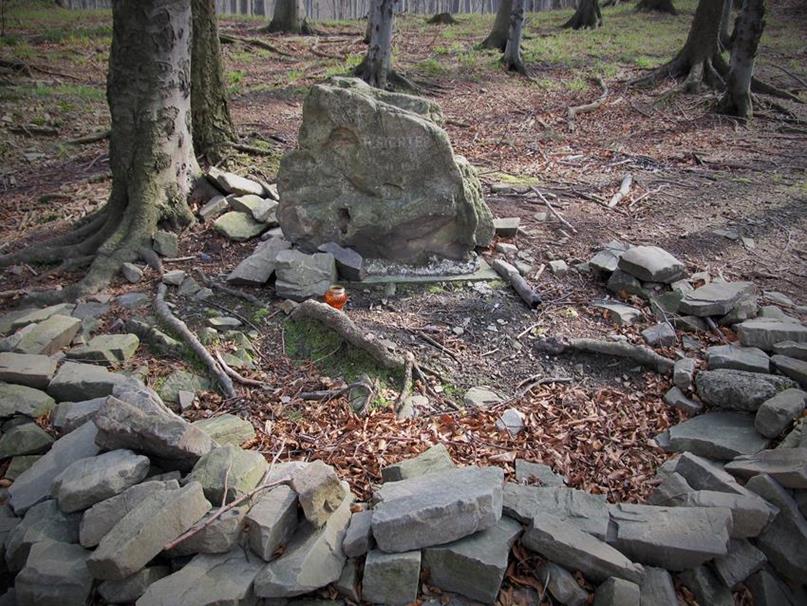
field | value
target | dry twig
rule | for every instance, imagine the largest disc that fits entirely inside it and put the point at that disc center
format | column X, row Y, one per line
column 624, row 190
column 638, row 353
column 554, row 211
column 587, row 107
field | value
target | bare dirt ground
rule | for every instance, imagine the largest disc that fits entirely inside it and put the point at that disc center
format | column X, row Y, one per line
column 693, row 173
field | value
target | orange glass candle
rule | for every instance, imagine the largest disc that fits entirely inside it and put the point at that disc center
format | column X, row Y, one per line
column 336, row 297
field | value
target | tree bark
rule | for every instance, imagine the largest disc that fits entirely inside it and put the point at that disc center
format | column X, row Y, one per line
column 659, row 6
column 512, row 53
column 290, row 18
column 375, row 69
column 725, row 23
column 497, row 38
column 587, row 15
column 212, row 126
column 737, row 99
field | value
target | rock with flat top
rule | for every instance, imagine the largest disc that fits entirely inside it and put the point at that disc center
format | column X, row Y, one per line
column 227, row 429
column 271, row 521
column 435, row 458
column 131, row 272
column 717, row 435
column 651, row 264
column 319, row 491
column 301, row 276
column 678, row 399
column 131, row 588
column 751, row 359
column 349, row 263
column 49, row 336
column 684, row 374
column 657, row 588
column 228, row 468
column 619, row 314
column 25, row 401
column 391, row 578
column 703, row 474
column 788, row 466
column 766, row 333
column 561, row 585
column 233, row 184
column 481, row 397
column 42, row 522
column 750, row 513
column 777, row 413
column 588, row 512
column 539, row 474
column 791, row 349
column 791, row 367
column 739, row 389
column 617, row 592
column 257, row 268
column 359, row 535
column 218, row 535
column 23, row 439
column 741, row 561
column 68, row 416
column 213, row 208
column 715, row 298
column 767, row 589
column 261, row 209
column 30, row 370
column 24, row 317
column 506, row 227
column 607, row 259
column 75, row 382
column 659, row 335
column 110, row 350
column 55, row 574
column 238, row 226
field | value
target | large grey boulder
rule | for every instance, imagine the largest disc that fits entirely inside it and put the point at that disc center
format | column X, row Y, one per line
column 88, row 481
column 143, row 532
column 375, row 172
column 271, row 521
column 257, row 268
column 75, row 382
column 32, row 370
column 132, row 587
column 766, row 333
column 34, row 484
column 473, row 566
column 715, row 298
column 171, row 439
column 788, row 466
column 227, row 429
column 55, row 574
column 22, row 400
column 23, row 439
column 775, row 414
column 301, row 276
column 617, row 592
column 434, row 458
column 566, row 545
column 750, row 513
column 717, row 435
column 561, row 585
column 319, row 491
column 651, row 264
column 207, row 580
column 42, row 522
column 228, row 468
column 741, row 561
column 391, row 578
column 675, row 538
column 588, row 512
column 739, row 389
column 751, row 359
column 437, row 508
column 49, row 336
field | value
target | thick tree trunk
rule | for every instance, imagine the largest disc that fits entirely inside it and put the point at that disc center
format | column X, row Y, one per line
column 375, row 69
column 212, row 126
column 512, row 53
column 737, row 99
column 290, row 18
column 371, row 18
column 497, row 38
column 659, row 6
column 587, row 15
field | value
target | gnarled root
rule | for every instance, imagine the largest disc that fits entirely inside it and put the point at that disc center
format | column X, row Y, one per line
column 638, row 353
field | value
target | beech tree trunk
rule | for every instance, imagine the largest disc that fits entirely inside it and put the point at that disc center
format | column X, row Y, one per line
column 497, row 38
column 375, row 69
column 212, row 126
column 659, row 6
column 368, row 30
column 512, row 53
column 737, row 99
column 587, row 15
column 290, row 18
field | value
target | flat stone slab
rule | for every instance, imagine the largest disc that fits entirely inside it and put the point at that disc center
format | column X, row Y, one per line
column 435, row 458
column 42, row 522
column 68, row 416
column 765, row 333
column 788, row 466
column 585, row 511
column 739, row 389
column 349, row 263
column 473, row 566
column 228, row 468
column 657, row 588
column 232, row 183
column 257, row 268
column 741, row 561
column 261, row 209
column 75, row 382
column 21, row 318
column 49, row 336
column 617, row 592
column 506, row 227
column 791, row 349
column 24, row 439
column 220, row 535
column 717, row 435
column 359, row 535
column 22, row 400
column 143, row 532
column 485, row 273
column 31, row 370
column 131, row 588
column 792, row 367
column 207, row 580
column 619, row 314
column 651, row 264
column 110, row 350
column 776, row 414
column 88, row 481
column 481, row 397
column 715, row 298
column 34, row 484
column 607, row 259
column 751, row 359
column 227, row 429
column 391, row 578
column 437, row 508
column 566, row 545
column 703, row 474
column 538, row 474
column 750, row 513
column 301, row 276
column 55, row 574
column 238, row 226
column 271, row 521
column 678, row 399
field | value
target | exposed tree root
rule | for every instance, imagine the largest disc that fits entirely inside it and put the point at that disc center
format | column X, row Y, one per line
column 587, row 15
column 638, row 353
column 395, row 79
column 99, row 136
column 256, row 42
column 758, row 86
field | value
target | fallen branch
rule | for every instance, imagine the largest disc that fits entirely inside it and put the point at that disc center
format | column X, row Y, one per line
column 624, row 190
column 179, row 327
column 99, row 136
column 552, row 209
column 33, row 129
column 638, row 353
column 586, row 107
column 235, row 292
column 230, row 39
column 517, row 281
column 231, row 372
column 791, row 74
column 437, row 344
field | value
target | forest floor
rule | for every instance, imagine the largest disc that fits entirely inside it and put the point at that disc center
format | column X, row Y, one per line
column 697, row 177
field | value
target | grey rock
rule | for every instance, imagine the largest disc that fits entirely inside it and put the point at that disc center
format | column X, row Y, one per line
column 319, row 491
column 703, row 474
column 788, row 466
column 537, row 473
column 739, row 389
column 102, row 517
column 751, row 359
column 435, row 458
column 227, row 429
column 207, row 580
column 673, row 486
column 301, row 276
column 110, row 350
column 750, row 513
column 512, row 421
column 131, row 588
column 261, row 209
column 792, row 367
column 684, row 374
column 238, row 226
column 24, row 317
column 189, row 287
column 558, row 267
column 167, row 437
column 27, row 438
column 768, row 590
column 765, row 333
column 706, row 587
column 42, row 522
column 742, row 560
column 481, row 397
column 473, row 566
column 49, row 336
column 224, row 322
column 228, row 468
column 359, row 535
column 68, row 416
column 437, row 508
column 34, row 484
column 349, row 263
column 312, row 559
column 219, row 536
column 75, row 382
column 566, row 545
column 660, row 335
column 745, row 309
column 399, row 193
column 797, row 437
column 791, row 349
column 607, row 259
column 717, row 435
column 623, row 284
column 617, row 592
column 213, row 208
column 391, row 578
column 506, row 227
column 675, row 538
column 774, row 313
column 175, row 277
column 777, row 413
column 619, row 314
column 141, row 534
column 132, row 300
column 31, row 370
column 271, row 521
column 347, row 585
column 588, row 512
column 165, row 243
column 651, row 263
column 257, row 268
column 715, row 298
column 232, row 183
column 677, row 399
column 20, row 464
column 181, row 380
column 657, row 588
column 22, row 400
column 131, row 272
column 562, row 585
column 690, row 324
column 55, row 574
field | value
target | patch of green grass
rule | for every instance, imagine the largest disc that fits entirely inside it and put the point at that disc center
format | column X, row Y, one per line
column 80, row 92
column 234, row 79
column 515, row 179
column 431, row 66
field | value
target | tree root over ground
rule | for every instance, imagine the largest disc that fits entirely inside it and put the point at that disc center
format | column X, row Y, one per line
column 638, row 353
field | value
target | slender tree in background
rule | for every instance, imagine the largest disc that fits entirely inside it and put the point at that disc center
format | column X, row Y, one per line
column 150, row 148
column 290, row 18
column 657, row 6
column 212, row 126
column 512, row 53
column 736, row 101
column 375, row 69
column 587, row 15
column 497, row 38
column 725, row 25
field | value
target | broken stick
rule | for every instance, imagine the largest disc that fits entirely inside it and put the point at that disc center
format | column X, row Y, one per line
column 529, row 295
column 587, row 107
column 638, row 353
column 624, row 190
